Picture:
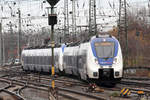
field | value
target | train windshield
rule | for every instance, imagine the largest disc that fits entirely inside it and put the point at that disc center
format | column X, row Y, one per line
column 104, row 49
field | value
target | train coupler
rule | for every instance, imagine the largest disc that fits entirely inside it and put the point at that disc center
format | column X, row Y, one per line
column 94, row 88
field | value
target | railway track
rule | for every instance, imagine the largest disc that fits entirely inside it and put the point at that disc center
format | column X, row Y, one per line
column 66, row 93
column 137, row 78
column 135, row 83
column 8, row 93
column 64, row 80
column 66, row 86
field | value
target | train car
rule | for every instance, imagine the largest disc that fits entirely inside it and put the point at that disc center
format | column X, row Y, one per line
column 98, row 59
column 39, row 59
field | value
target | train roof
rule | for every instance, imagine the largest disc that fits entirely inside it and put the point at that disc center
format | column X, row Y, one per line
column 103, row 37
column 38, row 52
column 77, row 43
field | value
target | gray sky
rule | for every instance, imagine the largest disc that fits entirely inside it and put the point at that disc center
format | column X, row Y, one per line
column 36, row 8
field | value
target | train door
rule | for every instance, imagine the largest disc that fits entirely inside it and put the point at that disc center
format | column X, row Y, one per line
column 74, row 61
column 82, row 66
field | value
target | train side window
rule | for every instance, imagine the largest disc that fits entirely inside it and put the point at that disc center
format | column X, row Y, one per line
column 39, row 60
column 47, row 60
column 36, row 60
column 26, row 59
column 29, row 59
column 32, row 59
column 44, row 60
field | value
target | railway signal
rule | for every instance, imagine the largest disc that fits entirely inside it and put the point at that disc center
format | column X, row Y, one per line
column 52, row 19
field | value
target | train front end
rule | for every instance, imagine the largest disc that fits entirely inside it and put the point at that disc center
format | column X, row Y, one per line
column 105, row 59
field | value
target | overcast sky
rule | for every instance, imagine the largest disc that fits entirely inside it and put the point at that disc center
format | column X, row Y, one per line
column 37, row 8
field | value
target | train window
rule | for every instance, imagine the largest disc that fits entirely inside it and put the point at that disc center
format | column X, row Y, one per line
column 44, row 60
column 33, row 59
column 104, row 49
column 36, row 60
column 24, row 59
column 40, row 59
column 32, row 62
column 49, row 60
column 27, row 60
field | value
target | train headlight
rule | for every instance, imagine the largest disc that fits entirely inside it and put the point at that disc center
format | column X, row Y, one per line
column 117, row 73
column 96, row 61
column 115, row 60
column 95, row 74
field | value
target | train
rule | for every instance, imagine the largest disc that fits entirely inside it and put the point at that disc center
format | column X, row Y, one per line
column 99, row 59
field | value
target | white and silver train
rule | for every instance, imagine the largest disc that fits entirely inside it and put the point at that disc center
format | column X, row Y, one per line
column 99, row 59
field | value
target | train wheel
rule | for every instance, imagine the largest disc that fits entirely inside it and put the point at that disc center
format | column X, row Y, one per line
column 113, row 84
column 24, row 69
column 61, row 73
column 34, row 69
column 42, row 70
column 110, row 85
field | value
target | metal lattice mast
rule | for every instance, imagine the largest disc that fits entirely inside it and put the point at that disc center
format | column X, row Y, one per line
column 92, row 17
column 122, row 24
column 122, row 27
column 19, row 35
column 1, row 53
column 73, row 17
column 66, row 18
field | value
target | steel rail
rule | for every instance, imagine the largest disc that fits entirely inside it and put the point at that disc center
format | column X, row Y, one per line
column 137, row 78
column 37, row 85
column 63, row 81
column 13, row 94
column 140, row 67
column 134, row 83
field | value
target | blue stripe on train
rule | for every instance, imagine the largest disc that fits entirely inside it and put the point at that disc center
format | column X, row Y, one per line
column 63, row 48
